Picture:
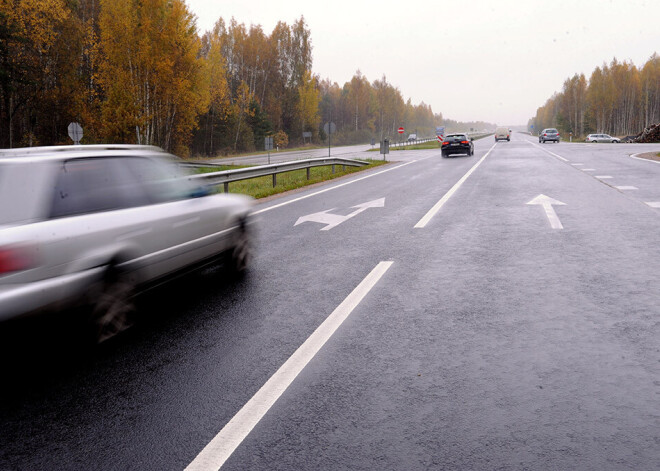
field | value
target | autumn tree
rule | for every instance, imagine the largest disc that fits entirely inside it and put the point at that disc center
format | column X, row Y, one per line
column 308, row 104
column 33, row 42
column 155, row 83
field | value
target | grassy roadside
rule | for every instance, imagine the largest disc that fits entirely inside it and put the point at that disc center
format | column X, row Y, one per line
column 263, row 186
column 422, row 146
column 257, row 152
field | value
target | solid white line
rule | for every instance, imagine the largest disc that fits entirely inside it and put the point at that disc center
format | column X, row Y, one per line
column 549, row 152
column 634, row 156
column 335, row 187
column 220, row 448
column 558, row 156
column 434, row 210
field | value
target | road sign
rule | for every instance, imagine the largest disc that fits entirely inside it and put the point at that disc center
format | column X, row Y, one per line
column 268, row 143
column 75, row 132
column 401, row 130
column 329, row 128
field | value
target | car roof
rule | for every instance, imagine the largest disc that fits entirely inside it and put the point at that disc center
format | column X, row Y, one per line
column 57, row 153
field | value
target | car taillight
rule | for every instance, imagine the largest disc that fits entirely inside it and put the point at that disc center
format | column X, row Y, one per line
column 544, row 134
column 465, row 142
column 446, row 143
column 15, row 259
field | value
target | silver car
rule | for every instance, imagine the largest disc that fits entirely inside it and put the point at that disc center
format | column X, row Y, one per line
column 549, row 134
column 602, row 138
column 92, row 226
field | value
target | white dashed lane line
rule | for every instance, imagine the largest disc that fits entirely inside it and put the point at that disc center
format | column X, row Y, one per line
column 626, row 187
column 654, row 204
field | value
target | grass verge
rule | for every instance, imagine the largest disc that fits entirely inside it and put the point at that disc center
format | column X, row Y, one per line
column 263, row 186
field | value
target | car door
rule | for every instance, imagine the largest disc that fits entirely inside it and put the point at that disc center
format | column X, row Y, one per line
column 190, row 220
column 98, row 216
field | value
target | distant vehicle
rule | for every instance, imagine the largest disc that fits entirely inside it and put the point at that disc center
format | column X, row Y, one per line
column 502, row 134
column 602, row 138
column 458, row 143
column 549, row 134
column 92, row 226
column 412, row 137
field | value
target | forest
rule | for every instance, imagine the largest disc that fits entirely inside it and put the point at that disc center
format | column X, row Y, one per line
column 618, row 99
column 138, row 71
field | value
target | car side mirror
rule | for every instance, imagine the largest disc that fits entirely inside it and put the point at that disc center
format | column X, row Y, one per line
column 199, row 192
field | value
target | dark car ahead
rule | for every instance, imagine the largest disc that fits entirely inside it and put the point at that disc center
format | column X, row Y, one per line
column 457, row 144
column 549, row 134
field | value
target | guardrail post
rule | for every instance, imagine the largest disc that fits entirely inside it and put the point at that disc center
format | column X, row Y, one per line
column 307, row 173
column 274, row 180
column 333, row 169
column 226, row 187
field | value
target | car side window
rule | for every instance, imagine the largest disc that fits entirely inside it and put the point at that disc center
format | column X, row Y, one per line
column 160, row 181
column 93, row 185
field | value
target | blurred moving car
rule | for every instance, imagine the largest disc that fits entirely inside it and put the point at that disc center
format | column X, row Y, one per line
column 549, row 134
column 602, row 138
column 412, row 137
column 458, row 143
column 502, row 134
column 92, row 226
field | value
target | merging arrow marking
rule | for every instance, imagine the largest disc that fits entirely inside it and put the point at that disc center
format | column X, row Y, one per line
column 547, row 204
column 333, row 220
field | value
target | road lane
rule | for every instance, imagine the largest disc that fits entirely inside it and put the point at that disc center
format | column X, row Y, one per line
column 498, row 342
column 494, row 341
column 615, row 161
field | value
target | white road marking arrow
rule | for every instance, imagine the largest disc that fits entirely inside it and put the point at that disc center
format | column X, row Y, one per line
column 547, row 203
column 333, row 220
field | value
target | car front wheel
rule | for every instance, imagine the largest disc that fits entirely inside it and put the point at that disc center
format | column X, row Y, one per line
column 240, row 255
column 112, row 304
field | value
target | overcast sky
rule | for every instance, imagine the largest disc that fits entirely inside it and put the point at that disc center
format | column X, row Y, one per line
column 490, row 60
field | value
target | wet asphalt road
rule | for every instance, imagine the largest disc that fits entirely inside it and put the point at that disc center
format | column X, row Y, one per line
column 492, row 342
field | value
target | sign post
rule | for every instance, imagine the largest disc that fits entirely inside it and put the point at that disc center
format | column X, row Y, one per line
column 401, row 130
column 329, row 129
column 268, row 145
column 385, row 148
column 75, row 133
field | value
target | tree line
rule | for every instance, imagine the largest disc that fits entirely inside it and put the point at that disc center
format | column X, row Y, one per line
column 619, row 99
column 137, row 71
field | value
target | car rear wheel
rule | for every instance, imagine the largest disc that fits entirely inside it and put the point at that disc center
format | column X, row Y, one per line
column 113, row 306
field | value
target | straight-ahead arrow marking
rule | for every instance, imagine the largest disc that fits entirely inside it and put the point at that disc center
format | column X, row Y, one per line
column 547, row 204
column 333, row 220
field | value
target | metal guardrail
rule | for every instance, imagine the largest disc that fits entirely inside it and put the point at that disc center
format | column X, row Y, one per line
column 225, row 177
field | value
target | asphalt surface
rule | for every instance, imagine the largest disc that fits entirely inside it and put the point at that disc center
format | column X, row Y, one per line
column 493, row 341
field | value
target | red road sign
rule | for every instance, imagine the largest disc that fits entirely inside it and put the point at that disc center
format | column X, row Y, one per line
column 401, row 130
